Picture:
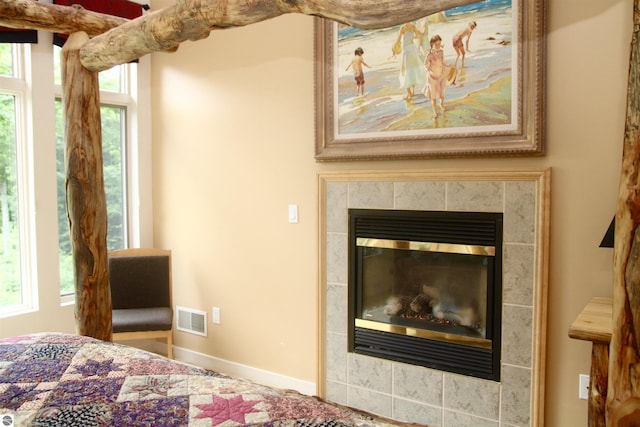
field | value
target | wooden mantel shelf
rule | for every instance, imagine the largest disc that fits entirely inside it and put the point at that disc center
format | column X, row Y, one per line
column 595, row 324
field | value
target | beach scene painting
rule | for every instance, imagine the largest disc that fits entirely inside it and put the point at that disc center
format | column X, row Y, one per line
column 447, row 84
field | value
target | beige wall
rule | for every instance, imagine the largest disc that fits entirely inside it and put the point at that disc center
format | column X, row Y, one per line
column 233, row 146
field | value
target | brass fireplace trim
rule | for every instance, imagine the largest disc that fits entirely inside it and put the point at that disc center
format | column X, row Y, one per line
column 427, row 246
column 424, row 333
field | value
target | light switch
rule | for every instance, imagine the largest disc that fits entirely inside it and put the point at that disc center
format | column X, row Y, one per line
column 293, row 214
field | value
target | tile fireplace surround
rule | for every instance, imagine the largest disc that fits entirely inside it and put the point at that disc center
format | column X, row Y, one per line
column 426, row 396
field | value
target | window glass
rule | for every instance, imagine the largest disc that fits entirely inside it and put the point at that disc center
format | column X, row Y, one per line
column 112, row 79
column 11, row 292
column 6, row 60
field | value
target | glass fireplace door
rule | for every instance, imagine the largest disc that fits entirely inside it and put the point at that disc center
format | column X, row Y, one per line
column 425, row 289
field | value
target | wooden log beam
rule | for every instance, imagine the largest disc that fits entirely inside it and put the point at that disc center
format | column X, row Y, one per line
column 623, row 395
column 118, row 40
column 598, row 382
column 186, row 20
column 86, row 201
column 29, row 14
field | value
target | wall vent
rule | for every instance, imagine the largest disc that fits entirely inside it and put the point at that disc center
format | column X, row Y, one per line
column 192, row 321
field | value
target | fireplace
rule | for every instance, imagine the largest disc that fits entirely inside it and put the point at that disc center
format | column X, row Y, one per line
column 425, row 288
column 409, row 392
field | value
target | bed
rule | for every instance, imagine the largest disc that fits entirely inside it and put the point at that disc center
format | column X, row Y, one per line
column 56, row 379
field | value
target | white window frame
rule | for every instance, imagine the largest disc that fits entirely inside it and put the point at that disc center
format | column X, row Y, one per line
column 19, row 87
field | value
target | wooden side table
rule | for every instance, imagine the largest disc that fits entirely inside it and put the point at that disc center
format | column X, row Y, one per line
column 595, row 324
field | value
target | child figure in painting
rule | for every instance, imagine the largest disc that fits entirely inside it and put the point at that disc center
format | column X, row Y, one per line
column 358, row 74
column 459, row 45
column 437, row 75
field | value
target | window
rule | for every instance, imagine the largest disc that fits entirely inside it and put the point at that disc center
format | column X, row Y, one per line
column 30, row 86
column 15, row 288
column 11, row 291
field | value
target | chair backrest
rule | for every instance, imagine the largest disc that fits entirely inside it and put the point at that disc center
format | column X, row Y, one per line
column 140, row 278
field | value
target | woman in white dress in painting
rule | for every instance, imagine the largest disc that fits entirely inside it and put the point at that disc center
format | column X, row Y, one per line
column 412, row 72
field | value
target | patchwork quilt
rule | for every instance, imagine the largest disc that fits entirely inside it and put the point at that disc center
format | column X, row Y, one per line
column 54, row 379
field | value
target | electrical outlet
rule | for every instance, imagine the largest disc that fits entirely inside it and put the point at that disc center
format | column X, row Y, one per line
column 215, row 315
column 583, row 392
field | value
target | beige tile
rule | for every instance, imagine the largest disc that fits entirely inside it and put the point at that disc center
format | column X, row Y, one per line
column 369, row 372
column 516, row 395
column 336, row 207
column 457, row 419
column 336, row 308
column 472, row 396
column 518, row 274
column 371, row 195
column 476, row 196
column 520, row 212
column 336, row 357
column 336, row 392
column 371, row 401
column 417, row 383
column 420, row 195
column 409, row 411
column 337, row 258
column 517, row 330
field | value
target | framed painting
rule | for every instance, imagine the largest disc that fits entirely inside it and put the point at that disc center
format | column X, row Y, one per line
column 465, row 82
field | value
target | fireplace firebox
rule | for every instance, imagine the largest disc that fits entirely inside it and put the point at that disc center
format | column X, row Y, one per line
column 425, row 287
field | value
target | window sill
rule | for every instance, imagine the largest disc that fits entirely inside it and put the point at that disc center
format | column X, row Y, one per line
column 66, row 300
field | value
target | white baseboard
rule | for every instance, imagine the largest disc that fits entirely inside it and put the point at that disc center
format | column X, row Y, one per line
column 238, row 370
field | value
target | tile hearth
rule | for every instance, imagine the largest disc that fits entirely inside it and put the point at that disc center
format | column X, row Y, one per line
column 415, row 394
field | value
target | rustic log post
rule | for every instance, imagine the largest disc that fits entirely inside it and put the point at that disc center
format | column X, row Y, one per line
column 598, row 382
column 86, row 201
column 623, row 395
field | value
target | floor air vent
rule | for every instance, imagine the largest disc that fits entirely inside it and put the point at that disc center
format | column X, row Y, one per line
column 193, row 321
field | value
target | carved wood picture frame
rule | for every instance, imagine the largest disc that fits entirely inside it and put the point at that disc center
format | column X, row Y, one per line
column 493, row 106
